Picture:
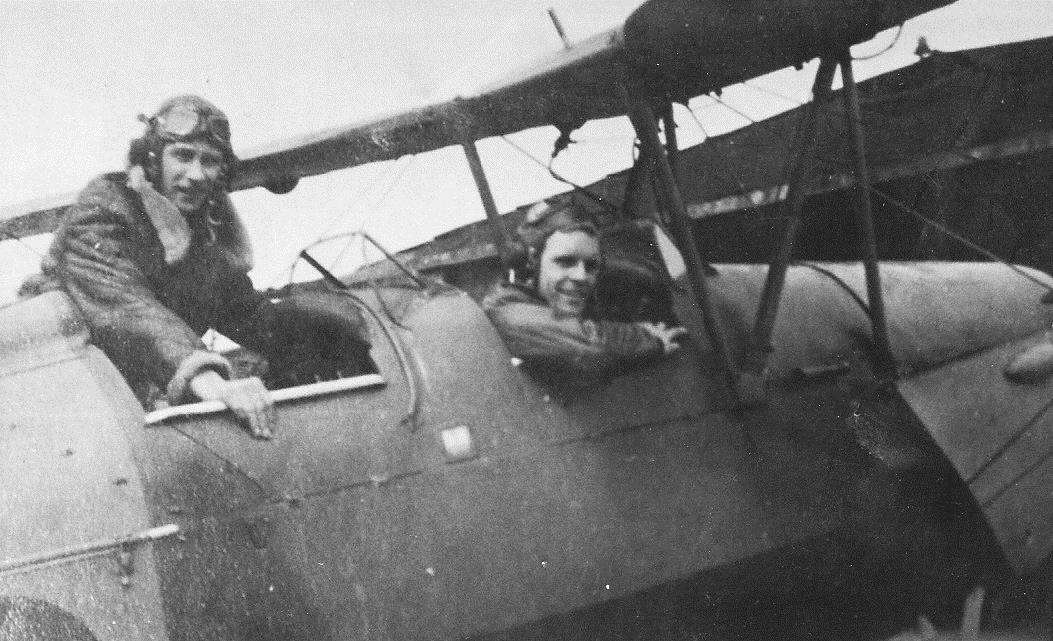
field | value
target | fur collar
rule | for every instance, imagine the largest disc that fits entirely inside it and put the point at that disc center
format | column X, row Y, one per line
column 174, row 233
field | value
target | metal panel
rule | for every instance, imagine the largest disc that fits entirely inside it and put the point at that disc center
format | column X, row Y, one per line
column 68, row 479
column 341, row 439
column 570, row 501
column 466, row 375
column 668, row 390
column 517, row 535
column 241, row 571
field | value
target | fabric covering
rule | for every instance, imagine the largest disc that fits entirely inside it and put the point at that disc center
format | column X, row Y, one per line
column 150, row 282
column 936, row 312
column 570, row 346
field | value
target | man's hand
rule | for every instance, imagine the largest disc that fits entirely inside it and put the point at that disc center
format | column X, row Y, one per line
column 246, row 397
column 667, row 335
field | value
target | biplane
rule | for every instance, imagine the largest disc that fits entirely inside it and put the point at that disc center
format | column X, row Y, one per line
column 833, row 435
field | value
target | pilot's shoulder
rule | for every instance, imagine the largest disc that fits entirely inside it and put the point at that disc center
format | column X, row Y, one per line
column 507, row 293
column 105, row 190
column 107, row 200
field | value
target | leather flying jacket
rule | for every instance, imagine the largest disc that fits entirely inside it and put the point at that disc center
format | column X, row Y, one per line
column 149, row 282
column 588, row 347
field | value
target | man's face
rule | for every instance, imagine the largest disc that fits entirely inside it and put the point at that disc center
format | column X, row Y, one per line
column 570, row 263
column 191, row 172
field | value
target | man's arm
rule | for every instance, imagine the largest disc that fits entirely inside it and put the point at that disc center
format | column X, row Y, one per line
column 247, row 398
column 146, row 339
column 532, row 333
column 93, row 261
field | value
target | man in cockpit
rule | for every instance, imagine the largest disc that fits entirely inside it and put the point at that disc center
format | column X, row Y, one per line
column 550, row 320
column 156, row 255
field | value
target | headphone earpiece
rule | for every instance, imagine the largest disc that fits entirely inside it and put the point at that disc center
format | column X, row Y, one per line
column 531, row 263
column 518, row 259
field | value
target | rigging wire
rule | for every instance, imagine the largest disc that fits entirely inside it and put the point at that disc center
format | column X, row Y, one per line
column 346, row 248
column 895, row 202
column 768, row 124
column 598, row 140
column 727, row 177
column 958, row 237
column 394, row 176
column 364, row 188
column 748, row 118
column 598, row 199
column 705, row 132
column 772, row 92
column 934, row 183
column 724, row 175
column 546, row 166
column 376, row 202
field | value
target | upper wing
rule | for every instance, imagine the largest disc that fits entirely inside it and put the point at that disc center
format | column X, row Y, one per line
column 666, row 50
column 564, row 90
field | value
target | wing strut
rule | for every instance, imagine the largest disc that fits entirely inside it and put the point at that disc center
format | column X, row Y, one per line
column 672, row 150
column 865, row 219
column 805, row 139
column 767, row 311
column 493, row 217
column 644, row 122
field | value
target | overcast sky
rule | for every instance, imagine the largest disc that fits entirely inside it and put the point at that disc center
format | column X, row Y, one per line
column 74, row 76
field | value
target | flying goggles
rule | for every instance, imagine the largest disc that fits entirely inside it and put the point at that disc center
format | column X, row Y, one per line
column 185, row 121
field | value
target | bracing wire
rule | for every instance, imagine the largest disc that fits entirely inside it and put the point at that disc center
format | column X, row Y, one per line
column 598, row 199
column 723, row 174
column 895, row 202
column 394, row 181
column 958, row 237
column 766, row 124
column 350, row 235
column 772, row 92
column 343, row 250
column 394, row 177
column 735, row 110
column 364, row 188
column 705, row 132
column 529, row 155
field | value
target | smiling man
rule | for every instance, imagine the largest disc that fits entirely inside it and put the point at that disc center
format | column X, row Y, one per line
column 549, row 319
column 156, row 255
column 188, row 172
